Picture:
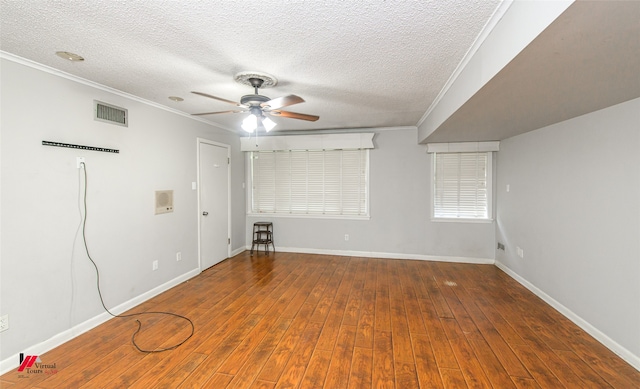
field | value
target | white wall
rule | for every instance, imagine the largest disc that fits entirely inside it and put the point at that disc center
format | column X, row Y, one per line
column 47, row 284
column 400, row 223
column 574, row 208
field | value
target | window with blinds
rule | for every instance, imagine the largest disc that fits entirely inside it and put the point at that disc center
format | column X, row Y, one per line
column 310, row 182
column 462, row 186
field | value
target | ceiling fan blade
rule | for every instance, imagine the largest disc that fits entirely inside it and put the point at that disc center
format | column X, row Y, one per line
column 295, row 115
column 216, row 98
column 284, row 101
column 213, row 113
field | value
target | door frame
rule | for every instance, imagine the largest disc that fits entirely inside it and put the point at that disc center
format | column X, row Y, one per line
column 200, row 141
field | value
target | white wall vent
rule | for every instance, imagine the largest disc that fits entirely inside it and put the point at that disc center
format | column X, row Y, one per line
column 110, row 113
column 164, row 201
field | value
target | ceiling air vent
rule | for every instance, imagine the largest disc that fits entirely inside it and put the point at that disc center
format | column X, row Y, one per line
column 110, row 113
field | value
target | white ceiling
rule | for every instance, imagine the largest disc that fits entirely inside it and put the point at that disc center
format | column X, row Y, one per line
column 358, row 64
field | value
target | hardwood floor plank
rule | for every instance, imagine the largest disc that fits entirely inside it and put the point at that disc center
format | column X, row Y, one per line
column 383, row 306
column 588, row 376
column 412, row 309
column 439, row 342
column 447, row 285
column 406, row 375
column 331, row 267
column 316, row 372
column 260, row 384
column 492, row 367
column 340, row 366
column 303, row 293
column 224, row 347
column 453, row 379
column 298, row 288
column 525, row 383
column 280, row 356
column 336, row 313
column 123, row 357
column 217, row 381
column 471, row 368
column 402, row 350
column 439, row 302
column 364, row 333
column 352, row 309
column 297, row 364
column 254, row 362
column 236, row 359
column 498, row 345
column 307, row 320
column 426, row 367
column 361, row 368
column 539, row 371
column 493, row 313
column 174, row 377
column 271, row 299
column 326, row 300
column 383, row 363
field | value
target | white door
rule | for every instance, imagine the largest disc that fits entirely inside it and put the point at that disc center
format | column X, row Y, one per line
column 213, row 177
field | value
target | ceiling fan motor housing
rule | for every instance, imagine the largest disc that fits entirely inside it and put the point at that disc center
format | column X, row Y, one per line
column 253, row 100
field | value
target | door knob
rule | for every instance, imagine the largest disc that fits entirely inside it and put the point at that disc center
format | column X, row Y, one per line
column 205, row 213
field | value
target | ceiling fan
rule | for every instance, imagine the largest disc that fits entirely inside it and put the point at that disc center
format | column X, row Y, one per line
column 258, row 105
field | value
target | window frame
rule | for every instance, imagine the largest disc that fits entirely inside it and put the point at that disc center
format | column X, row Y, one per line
column 250, row 193
column 489, row 189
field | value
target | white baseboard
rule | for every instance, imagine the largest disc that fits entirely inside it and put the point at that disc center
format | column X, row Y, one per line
column 13, row 361
column 632, row 359
column 373, row 254
column 237, row 251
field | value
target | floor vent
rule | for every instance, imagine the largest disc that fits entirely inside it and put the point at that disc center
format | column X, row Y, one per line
column 110, row 114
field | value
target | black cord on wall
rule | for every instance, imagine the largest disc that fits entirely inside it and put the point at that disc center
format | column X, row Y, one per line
column 133, row 337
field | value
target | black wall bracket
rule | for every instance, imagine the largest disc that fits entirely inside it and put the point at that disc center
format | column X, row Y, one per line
column 79, row 147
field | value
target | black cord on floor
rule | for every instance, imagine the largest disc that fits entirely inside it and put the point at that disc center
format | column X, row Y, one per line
column 133, row 337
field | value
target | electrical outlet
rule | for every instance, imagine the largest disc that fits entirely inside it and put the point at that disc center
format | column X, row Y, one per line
column 520, row 252
column 154, row 265
column 79, row 162
column 179, row 256
column 346, row 236
column 4, row 323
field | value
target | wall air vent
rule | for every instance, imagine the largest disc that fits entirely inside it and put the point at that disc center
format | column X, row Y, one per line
column 164, row 201
column 110, row 113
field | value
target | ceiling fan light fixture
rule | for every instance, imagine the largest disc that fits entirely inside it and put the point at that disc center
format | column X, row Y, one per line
column 268, row 124
column 250, row 123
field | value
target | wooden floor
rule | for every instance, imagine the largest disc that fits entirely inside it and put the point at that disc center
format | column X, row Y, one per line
column 312, row 321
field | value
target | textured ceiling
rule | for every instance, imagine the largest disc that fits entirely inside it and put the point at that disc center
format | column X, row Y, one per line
column 356, row 63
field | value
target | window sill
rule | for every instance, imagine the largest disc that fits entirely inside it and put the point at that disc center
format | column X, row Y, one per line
column 300, row 216
column 460, row 220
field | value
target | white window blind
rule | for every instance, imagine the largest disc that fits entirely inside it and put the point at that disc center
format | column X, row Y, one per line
column 310, row 182
column 462, row 185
